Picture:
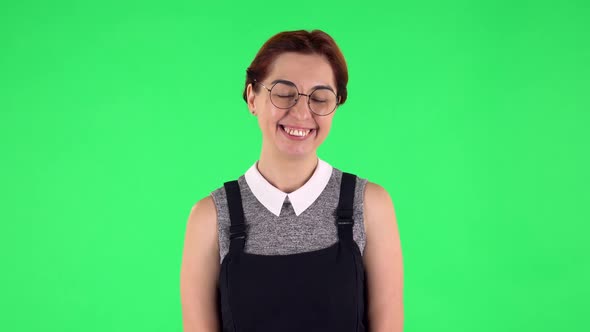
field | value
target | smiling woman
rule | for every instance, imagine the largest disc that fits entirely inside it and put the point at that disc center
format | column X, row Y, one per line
column 294, row 244
column 281, row 106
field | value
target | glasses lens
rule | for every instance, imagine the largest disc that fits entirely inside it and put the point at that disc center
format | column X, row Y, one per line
column 283, row 95
column 322, row 101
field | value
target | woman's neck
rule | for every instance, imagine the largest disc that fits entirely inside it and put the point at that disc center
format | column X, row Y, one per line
column 287, row 175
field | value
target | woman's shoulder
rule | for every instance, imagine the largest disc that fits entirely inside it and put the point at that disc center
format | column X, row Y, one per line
column 373, row 197
column 375, row 191
column 203, row 212
column 360, row 185
column 378, row 207
column 201, row 232
column 220, row 193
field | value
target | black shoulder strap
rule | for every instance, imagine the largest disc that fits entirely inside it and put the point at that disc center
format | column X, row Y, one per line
column 237, row 229
column 345, row 209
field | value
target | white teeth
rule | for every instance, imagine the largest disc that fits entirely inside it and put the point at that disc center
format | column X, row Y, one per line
column 297, row 132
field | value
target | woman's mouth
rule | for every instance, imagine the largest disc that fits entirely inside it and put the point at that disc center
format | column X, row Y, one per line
column 297, row 134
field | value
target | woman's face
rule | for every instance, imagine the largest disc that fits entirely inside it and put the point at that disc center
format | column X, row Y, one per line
column 306, row 72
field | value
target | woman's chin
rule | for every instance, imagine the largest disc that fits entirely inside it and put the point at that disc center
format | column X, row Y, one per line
column 296, row 151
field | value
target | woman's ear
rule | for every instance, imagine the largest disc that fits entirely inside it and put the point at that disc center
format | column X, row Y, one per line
column 250, row 96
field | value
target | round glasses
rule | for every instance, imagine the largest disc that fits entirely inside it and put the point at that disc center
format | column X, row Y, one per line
column 284, row 94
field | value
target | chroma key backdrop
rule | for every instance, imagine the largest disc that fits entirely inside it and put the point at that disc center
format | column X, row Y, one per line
column 116, row 117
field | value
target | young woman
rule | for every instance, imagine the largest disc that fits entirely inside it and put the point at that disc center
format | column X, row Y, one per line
column 294, row 244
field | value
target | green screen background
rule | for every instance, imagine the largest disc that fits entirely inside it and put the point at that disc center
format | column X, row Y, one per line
column 116, row 117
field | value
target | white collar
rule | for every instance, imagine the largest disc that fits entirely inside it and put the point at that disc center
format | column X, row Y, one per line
column 273, row 198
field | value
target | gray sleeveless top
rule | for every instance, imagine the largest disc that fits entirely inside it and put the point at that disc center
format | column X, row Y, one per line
column 315, row 228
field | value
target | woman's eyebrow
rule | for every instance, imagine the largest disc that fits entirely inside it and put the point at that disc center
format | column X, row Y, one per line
column 313, row 88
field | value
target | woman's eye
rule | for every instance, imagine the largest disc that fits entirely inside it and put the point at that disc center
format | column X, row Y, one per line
column 285, row 96
column 318, row 100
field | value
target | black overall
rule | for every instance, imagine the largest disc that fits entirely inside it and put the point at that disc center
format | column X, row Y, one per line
column 322, row 290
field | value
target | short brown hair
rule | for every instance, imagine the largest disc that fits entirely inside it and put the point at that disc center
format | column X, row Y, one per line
column 299, row 41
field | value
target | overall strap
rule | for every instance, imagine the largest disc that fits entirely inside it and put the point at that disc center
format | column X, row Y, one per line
column 237, row 228
column 344, row 212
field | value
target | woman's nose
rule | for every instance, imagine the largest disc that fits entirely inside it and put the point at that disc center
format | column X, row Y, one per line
column 301, row 108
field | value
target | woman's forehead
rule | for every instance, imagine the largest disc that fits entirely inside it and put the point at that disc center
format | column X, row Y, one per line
column 305, row 70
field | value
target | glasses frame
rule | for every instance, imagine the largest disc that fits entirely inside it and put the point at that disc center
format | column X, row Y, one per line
column 299, row 97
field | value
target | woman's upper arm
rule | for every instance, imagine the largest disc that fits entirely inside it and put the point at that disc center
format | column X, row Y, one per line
column 200, row 269
column 382, row 258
